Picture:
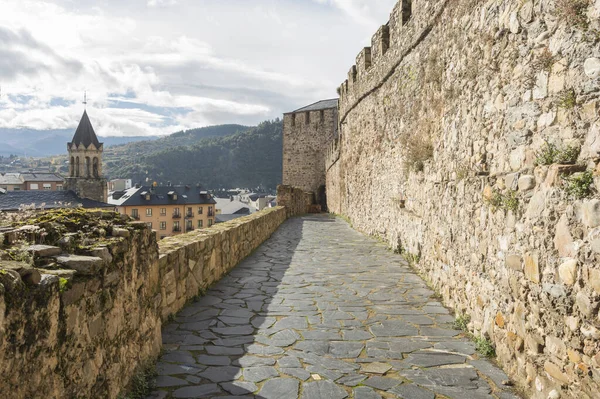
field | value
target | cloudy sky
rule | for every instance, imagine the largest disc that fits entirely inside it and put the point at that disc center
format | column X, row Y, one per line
column 158, row 66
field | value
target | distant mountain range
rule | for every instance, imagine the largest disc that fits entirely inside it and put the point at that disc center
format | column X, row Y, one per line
column 215, row 157
column 41, row 143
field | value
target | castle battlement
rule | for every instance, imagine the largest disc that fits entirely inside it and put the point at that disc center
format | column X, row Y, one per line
column 410, row 22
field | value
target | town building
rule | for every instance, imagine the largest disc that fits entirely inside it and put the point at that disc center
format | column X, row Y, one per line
column 229, row 209
column 169, row 210
column 30, row 181
column 119, row 185
column 85, row 163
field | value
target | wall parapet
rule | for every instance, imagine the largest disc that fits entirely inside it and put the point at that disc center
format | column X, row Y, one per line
column 78, row 318
column 296, row 201
column 407, row 27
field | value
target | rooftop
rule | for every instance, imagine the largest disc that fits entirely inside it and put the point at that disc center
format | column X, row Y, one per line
column 136, row 196
column 319, row 105
column 14, row 200
column 41, row 177
column 10, row 178
column 228, row 207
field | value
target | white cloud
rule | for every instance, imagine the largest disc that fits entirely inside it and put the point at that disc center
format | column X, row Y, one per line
column 153, row 69
column 161, row 3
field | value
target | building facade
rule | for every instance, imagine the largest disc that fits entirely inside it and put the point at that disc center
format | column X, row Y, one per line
column 168, row 210
column 306, row 133
column 31, row 181
column 85, row 163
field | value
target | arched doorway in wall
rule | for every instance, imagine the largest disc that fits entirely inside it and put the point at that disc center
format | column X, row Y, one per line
column 322, row 197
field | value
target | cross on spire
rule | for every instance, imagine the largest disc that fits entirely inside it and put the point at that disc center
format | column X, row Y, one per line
column 85, row 100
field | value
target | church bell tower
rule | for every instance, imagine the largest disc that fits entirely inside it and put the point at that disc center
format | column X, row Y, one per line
column 85, row 163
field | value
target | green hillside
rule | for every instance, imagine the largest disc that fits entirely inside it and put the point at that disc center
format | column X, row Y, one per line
column 252, row 157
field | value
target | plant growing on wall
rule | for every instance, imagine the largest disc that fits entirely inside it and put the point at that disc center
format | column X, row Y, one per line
column 573, row 12
column 551, row 154
column 579, row 185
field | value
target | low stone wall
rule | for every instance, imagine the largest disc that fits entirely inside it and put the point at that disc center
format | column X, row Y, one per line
column 296, row 201
column 190, row 263
column 78, row 319
column 78, row 325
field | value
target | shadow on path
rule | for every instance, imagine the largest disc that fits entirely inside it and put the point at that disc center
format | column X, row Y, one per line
column 321, row 311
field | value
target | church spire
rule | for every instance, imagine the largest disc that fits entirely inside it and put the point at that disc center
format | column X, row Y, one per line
column 85, row 133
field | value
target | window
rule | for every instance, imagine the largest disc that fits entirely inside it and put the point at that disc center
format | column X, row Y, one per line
column 16, row 188
column 176, row 212
column 47, row 186
column 189, row 226
column 149, row 224
column 176, row 226
column 307, row 118
column 163, row 211
column 200, row 210
column 210, row 211
column 190, row 212
column 134, row 214
column 163, row 225
column 148, row 211
column 210, row 222
column 59, row 187
column 34, row 186
column 200, row 224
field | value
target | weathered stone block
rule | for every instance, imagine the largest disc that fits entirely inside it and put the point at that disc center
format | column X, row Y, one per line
column 86, row 265
column 532, row 269
column 568, row 271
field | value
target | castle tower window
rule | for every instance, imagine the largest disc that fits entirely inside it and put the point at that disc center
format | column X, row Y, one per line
column 307, row 118
column 77, row 167
column 96, row 167
column 293, row 119
column 72, row 166
column 322, row 116
column 406, row 11
column 88, row 167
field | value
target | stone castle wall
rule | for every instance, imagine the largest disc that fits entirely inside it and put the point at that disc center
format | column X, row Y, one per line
column 81, row 318
column 305, row 137
column 442, row 124
column 296, row 201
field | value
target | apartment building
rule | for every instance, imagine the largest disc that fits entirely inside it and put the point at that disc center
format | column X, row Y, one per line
column 169, row 210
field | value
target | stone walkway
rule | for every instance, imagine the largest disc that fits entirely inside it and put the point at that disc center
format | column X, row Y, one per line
column 321, row 311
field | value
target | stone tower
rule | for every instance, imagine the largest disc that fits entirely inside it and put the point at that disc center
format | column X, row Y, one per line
column 306, row 134
column 85, row 163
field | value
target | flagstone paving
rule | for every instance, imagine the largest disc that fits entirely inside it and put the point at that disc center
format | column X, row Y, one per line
column 321, row 311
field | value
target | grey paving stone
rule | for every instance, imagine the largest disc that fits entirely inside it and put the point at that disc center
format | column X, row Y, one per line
column 365, row 393
column 356, row 335
column 493, row 372
column 323, row 372
column 208, row 360
column 383, row 383
column 197, row 391
column 223, row 350
column 464, row 347
column 264, row 350
column 176, row 369
column 239, row 387
column 318, row 347
column 322, row 390
column 321, row 335
column 438, row 332
column 221, row 374
column 352, row 380
column 375, row 368
column 433, row 359
column 168, row 381
column 346, row 349
column 258, row 374
column 289, row 362
column 299, row 373
column 250, row 361
column 278, row 388
column 239, row 330
column 411, row 391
